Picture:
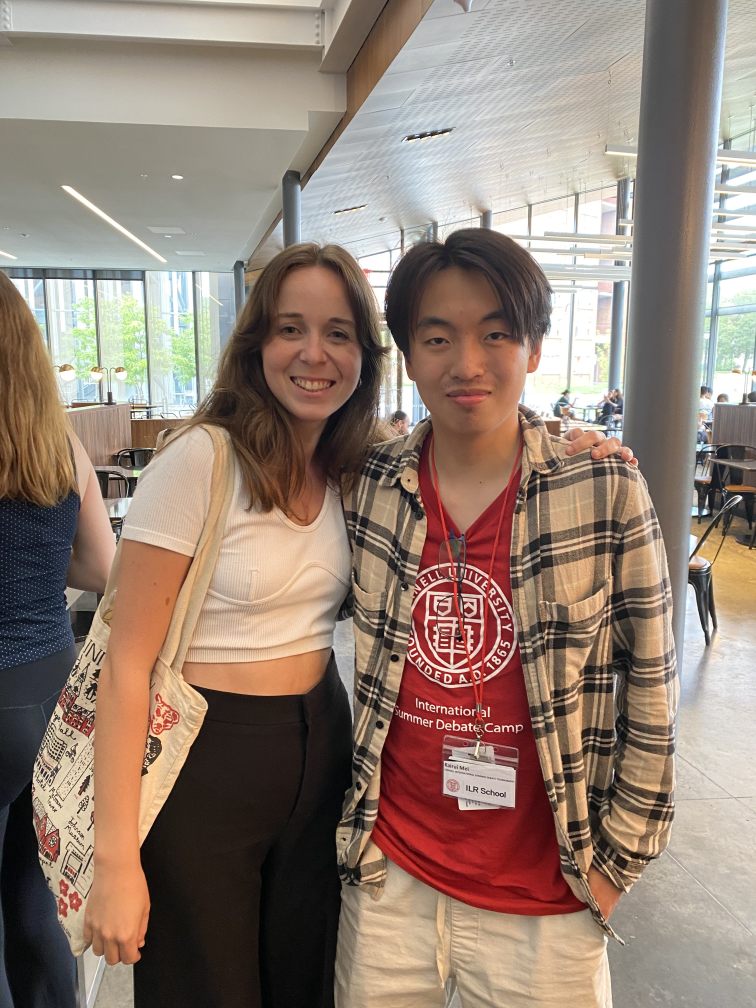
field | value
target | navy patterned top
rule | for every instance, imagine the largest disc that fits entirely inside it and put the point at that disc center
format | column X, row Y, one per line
column 35, row 550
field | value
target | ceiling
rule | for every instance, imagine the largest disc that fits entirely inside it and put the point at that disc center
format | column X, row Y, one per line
column 114, row 98
column 229, row 178
column 533, row 90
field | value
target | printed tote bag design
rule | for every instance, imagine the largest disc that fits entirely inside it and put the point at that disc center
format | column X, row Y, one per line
column 63, row 783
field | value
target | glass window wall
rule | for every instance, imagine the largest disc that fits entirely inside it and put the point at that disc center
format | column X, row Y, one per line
column 123, row 337
column 173, row 355
column 73, row 335
column 159, row 335
column 215, row 308
column 33, row 292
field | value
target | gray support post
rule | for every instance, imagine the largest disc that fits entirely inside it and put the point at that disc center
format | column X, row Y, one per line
column 571, row 336
column 619, row 293
column 239, row 286
column 486, row 219
column 681, row 93
column 433, row 231
column 711, row 356
column 291, row 186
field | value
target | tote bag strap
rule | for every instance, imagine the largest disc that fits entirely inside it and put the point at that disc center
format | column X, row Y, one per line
column 194, row 589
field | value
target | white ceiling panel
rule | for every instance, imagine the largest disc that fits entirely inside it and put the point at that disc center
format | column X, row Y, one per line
column 533, row 89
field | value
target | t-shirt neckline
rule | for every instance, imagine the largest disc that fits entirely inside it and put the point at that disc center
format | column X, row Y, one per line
column 431, row 501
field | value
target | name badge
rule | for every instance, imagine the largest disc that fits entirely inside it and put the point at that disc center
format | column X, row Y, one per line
column 479, row 782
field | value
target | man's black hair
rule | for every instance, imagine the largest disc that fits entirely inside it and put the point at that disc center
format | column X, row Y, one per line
column 516, row 278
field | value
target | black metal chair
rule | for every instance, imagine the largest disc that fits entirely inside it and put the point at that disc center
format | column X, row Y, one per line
column 135, row 458
column 104, row 477
column 699, row 571
column 729, row 481
column 702, row 482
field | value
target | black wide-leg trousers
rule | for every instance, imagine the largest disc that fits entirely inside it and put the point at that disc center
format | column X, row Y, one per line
column 241, row 860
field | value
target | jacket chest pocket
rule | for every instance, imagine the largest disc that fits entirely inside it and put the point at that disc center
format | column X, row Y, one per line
column 577, row 645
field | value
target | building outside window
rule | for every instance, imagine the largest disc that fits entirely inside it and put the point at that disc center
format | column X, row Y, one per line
column 173, row 355
column 215, row 309
column 72, row 335
column 33, row 292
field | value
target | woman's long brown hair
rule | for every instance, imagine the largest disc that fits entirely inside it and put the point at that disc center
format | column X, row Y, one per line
column 35, row 456
column 269, row 451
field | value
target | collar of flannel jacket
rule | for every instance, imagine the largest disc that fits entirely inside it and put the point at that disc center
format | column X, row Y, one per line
column 541, row 454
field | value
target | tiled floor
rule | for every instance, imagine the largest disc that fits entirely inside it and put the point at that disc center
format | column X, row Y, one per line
column 690, row 923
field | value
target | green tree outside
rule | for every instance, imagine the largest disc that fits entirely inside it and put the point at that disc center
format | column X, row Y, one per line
column 736, row 334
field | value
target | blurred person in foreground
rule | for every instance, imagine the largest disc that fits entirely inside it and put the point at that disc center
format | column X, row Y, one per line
column 54, row 532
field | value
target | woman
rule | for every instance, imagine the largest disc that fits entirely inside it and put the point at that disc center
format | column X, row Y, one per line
column 54, row 531
column 235, row 899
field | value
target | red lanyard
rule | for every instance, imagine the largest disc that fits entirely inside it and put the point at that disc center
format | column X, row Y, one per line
column 477, row 685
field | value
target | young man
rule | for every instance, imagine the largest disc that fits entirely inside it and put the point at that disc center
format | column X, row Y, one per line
column 705, row 405
column 510, row 592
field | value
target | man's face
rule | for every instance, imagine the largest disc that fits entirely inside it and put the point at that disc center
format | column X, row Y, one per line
column 468, row 369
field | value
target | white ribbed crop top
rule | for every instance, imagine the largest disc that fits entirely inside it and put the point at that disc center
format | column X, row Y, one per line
column 277, row 586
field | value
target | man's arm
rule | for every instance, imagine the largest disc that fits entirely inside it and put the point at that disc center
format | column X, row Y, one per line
column 636, row 818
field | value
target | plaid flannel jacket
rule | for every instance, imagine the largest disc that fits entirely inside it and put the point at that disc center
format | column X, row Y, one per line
column 592, row 604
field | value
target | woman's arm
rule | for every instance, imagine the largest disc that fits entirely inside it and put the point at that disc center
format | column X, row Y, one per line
column 148, row 584
column 94, row 543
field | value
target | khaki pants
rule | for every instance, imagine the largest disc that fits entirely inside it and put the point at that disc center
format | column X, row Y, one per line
column 415, row 947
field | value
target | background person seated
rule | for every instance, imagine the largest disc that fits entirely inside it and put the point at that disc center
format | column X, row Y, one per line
column 723, row 397
column 606, row 409
column 563, row 404
column 705, row 404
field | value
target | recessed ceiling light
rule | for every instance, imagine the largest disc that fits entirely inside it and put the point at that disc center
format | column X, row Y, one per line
column 8, row 255
column 115, row 224
column 177, row 176
column 351, row 209
column 430, row 135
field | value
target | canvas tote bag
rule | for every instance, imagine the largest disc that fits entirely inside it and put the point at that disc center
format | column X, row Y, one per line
column 63, row 792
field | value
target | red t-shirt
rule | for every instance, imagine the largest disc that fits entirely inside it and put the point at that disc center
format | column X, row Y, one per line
column 503, row 859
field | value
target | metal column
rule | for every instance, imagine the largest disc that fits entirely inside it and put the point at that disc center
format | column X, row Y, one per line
column 711, row 356
column 291, row 186
column 486, row 219
column 238, row 286
column 571, row 335
column 674, row 188
column 619, row 293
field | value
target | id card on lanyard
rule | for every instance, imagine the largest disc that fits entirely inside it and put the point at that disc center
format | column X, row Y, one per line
column 485, row 781
column 480, row 775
